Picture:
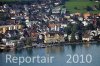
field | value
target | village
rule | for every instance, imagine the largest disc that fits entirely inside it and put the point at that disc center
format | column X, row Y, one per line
column 45, row 24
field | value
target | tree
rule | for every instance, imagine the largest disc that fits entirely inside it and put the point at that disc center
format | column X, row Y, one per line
column 88, row 8
column 73, row 30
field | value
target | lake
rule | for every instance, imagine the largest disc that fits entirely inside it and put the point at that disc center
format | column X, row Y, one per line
column 69, row 55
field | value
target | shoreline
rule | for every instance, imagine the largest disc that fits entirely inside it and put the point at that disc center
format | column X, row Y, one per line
column 41, row 45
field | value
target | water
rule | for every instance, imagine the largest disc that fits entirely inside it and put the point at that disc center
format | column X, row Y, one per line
column 59, row 53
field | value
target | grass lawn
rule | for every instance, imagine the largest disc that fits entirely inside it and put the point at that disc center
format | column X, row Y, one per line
column 81, row 6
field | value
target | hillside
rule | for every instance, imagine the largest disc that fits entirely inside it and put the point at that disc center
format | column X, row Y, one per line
column 82, row 6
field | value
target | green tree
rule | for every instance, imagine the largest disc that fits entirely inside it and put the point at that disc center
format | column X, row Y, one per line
column 73, row 30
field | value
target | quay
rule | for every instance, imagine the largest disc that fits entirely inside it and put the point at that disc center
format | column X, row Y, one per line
column 41, row 45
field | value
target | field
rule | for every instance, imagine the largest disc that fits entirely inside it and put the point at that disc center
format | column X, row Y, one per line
column 80, row 6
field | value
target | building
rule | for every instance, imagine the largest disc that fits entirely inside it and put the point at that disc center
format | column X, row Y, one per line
column 56, row 10
column 10, row 43
column 4, row 28
column 53, row 37
column 54, row 27
column 86, row 15
column 86, row 36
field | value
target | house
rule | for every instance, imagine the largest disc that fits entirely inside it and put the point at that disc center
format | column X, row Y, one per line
column 63, row 10
column 85, row 23
column 4, row 28
column 53, row 27
column 28, row 23
column 10, row 43
column 63, row 25
column 56, row 10
column 86, row 36
column 98, row 30
column 77, row 13
column 86, row 15
column 94, row 33
column 53, row 37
